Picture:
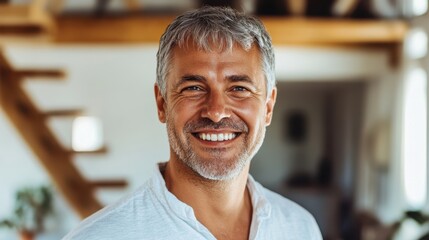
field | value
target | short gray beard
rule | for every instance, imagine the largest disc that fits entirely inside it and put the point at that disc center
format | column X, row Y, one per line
column 212, row 170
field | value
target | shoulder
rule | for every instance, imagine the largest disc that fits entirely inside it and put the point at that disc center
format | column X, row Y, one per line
column 296, row 219
column 114, row 219
column 280, row 203
column 286, row 206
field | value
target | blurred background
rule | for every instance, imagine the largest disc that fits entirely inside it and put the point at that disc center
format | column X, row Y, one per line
column 79, row 129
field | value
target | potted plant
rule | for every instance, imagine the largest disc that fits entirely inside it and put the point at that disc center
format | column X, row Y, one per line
column 32, row 206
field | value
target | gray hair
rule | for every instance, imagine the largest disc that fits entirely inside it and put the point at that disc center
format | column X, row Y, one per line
column 220, row 25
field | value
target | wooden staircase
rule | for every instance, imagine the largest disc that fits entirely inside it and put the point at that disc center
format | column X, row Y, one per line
column 31, row 123
column 26, row 22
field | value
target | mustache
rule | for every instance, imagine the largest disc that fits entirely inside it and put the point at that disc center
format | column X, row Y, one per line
column 207, row 124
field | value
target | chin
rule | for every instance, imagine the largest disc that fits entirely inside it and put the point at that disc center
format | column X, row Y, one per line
column 217, row 169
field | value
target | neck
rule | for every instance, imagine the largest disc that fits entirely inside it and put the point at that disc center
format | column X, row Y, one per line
column 214, row 202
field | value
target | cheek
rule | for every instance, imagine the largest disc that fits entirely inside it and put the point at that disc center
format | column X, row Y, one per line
column 182, row 111
column 253, row 114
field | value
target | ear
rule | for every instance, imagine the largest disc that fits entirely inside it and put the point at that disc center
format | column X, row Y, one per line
column 160, row 103
column 271, row 101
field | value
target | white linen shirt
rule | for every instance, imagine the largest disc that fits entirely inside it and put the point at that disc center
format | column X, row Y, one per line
column 152, row 212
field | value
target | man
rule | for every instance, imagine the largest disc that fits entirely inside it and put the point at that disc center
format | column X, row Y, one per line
column 215, row 91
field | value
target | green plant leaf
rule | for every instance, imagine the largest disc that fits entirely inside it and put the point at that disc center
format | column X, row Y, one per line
column 7, row 223
column 32, row 206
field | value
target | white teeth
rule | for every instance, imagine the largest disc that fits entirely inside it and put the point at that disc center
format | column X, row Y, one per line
column 217, row 137
column 220, row 137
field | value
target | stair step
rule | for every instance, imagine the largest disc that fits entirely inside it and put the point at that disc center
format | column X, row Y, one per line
column 50, row 74
column 63, row 113
column 109, row 183
column 102, row 150
column 21, row 29
column 15, row 15
column 24, row 18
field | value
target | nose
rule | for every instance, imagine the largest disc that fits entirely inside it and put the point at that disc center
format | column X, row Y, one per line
column 216, row 107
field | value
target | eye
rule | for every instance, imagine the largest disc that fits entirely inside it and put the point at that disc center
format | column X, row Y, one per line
column 192, row 88
column 239, row 89
column 192, row 91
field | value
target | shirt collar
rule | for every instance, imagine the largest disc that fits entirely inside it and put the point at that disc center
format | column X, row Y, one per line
column 174, row 205
column 261, row 206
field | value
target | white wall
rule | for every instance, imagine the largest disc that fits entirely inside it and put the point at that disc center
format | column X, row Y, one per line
column 278, row 157
column 116, row 85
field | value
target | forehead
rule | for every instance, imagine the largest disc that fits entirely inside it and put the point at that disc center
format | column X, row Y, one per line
column 189, row 54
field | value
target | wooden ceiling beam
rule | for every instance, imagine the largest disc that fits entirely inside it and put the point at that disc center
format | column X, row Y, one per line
column 334, row 31
column 132, row 29
column 283, row 30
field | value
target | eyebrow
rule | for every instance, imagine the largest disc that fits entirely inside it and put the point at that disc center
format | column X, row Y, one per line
column 202, row 79
column 240, row 78
column 192, row 77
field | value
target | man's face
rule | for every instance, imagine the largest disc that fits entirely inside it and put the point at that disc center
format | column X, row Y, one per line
column 216, row 109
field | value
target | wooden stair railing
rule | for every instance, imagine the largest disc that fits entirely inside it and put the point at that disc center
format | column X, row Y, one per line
column 32, row 125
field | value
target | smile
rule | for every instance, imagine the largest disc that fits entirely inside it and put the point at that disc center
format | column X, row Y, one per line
column 216, row 137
